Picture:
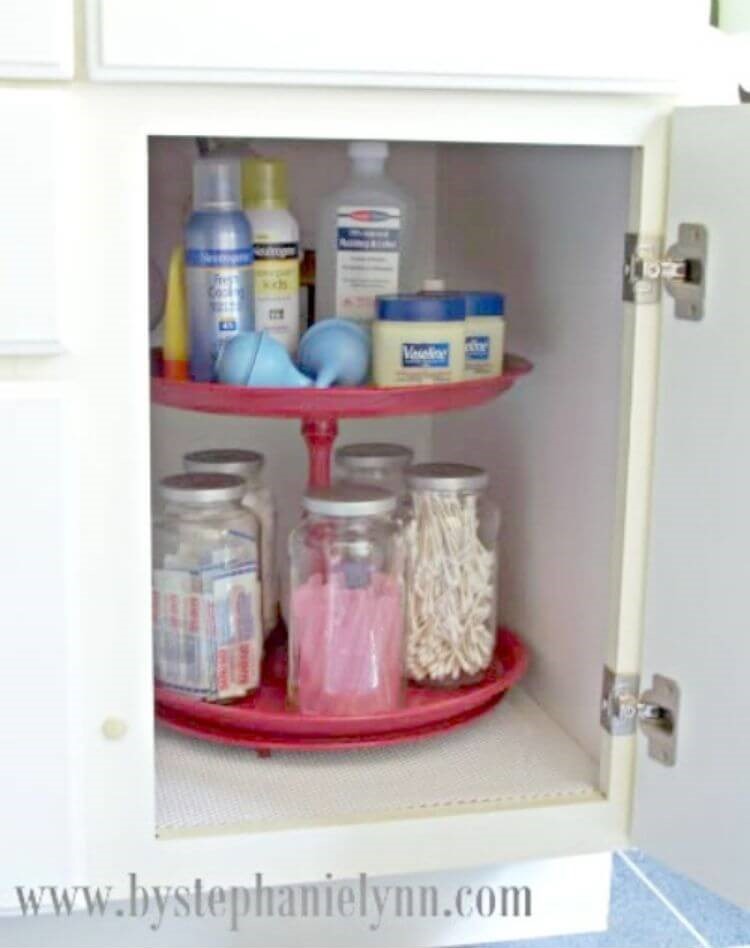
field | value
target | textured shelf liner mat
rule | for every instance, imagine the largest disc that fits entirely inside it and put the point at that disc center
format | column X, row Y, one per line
column 515, row 754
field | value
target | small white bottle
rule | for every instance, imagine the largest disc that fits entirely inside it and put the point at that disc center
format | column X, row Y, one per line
column 276, row 249
column 365, row 239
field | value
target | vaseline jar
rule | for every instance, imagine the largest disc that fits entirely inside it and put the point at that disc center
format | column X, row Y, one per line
column 418, row 340
column 485, row 333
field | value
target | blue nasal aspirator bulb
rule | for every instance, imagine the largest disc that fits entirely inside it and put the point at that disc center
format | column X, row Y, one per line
column 257, row 359
column 335, row 352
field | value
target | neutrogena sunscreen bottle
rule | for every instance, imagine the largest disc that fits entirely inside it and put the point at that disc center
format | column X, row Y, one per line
column 275, row 249
column 218, row 263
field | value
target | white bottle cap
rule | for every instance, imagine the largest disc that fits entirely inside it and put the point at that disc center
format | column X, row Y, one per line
column 368, row 151
column 217, row 183
column 433, row 285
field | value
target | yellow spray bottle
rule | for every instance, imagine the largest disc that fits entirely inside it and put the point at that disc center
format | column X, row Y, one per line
column 176, row 344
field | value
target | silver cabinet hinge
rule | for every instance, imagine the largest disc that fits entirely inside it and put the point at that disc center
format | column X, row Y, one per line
column 682, row 270
column 656, row 710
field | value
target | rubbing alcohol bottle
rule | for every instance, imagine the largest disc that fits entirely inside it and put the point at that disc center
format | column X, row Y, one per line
column 365, row 239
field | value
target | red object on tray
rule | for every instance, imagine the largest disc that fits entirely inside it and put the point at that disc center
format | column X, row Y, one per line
column 263, row 722
column 331, row 403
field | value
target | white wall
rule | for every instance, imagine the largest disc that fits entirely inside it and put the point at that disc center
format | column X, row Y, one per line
column 546, row 226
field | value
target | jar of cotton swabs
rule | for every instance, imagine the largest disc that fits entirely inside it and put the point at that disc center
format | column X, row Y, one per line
column 451, row 543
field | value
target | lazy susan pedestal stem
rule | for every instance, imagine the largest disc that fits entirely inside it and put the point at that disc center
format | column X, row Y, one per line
column 319, row 435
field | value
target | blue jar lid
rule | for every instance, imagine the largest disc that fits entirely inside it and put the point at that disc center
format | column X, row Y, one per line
column 413, row 307
column 484, row 303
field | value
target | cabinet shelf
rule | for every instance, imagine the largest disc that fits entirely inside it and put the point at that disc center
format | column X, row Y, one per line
column 513, row 756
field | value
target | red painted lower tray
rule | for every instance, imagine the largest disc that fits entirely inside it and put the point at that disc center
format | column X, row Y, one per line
column 263, row 721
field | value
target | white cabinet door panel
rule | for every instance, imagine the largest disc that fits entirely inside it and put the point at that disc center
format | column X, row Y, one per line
column 38, row 566
column 583, row 44
column 36, row 39
column 35, row 189
column 696, row 815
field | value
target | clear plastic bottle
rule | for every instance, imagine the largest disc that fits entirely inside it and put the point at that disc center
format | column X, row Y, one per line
column 208, row 639
column 276, row 249
column 258, row 498
column 451, row 549
column 218, row 263
column 365, row 239
column 346, row 633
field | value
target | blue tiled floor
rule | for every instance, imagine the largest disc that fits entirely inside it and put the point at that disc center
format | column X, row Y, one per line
column 721, row 924
column 640, row 919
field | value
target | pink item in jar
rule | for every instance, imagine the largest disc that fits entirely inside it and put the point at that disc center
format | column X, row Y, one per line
column 349, row 641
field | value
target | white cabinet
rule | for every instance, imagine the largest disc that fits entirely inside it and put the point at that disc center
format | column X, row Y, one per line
column 36, row 39
column 555, row 182
column 37, row 192
column 695, row 629
column 625, row 46
column 40, row 584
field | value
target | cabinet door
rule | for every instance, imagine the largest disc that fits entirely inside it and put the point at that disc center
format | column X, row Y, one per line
column 36, row 39
column 696, row 815
column 39, row 825
column 581, row 44
column 36, row 196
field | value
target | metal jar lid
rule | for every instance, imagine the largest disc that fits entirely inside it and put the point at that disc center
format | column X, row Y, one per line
column 202, row 488
column 369, row 455
column 349, row 500
column 225, row 461
column 447, row 477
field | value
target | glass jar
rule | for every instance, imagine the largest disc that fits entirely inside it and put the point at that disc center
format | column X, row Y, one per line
column 380, row 465
column 208, row 639
column 451, row 550
column 346, row 633
column 258, row 498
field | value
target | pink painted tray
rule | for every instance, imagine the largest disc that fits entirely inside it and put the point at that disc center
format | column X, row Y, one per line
column 332, row 403
column 265, row 743
column 262, row 721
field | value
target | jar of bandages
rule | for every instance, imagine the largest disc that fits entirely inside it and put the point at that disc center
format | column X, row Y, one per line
column 258, row 497
column 208, row 636
column 451, row 548
column 346, row 630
